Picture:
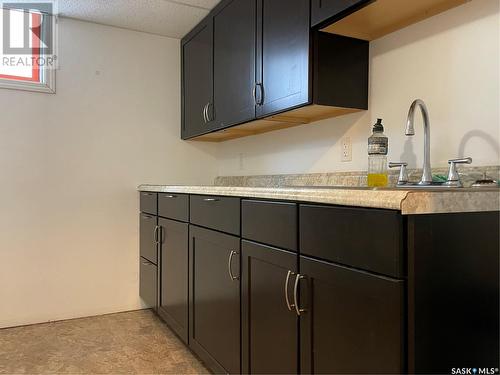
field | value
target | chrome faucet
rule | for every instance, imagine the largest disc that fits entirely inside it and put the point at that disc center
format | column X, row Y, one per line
column 453, row 180
column 410, row 131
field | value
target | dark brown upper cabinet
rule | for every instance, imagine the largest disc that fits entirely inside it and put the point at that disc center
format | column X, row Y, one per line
column 234, row 63
column 283, row 55
column 269, row 71
column 253, row 66
column 197, row 79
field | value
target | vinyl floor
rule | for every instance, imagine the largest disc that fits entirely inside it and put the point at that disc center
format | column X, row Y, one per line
column 136, row 342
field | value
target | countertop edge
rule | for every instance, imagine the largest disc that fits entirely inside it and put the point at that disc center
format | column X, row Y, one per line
column 406, row 201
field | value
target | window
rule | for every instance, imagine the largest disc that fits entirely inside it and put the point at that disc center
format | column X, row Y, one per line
column 24, row 61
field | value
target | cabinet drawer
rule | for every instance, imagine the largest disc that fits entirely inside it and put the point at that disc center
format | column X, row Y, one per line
column 148, row 202
column 369, row 239
column 273, row 223
column 148, row 282
column 173, row 206
column 220, row 213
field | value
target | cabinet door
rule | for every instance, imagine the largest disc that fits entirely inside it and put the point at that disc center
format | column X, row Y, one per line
column 269, row 327
column 283, row 55
column 353, row 320
column 214, row 309
column 321, row 10
column 148, row 283
column 234, row 63
column 174, row 275
column 148, row 235
column 197, row 79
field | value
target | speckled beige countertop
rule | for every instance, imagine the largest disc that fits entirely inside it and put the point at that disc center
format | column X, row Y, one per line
column 409, row 202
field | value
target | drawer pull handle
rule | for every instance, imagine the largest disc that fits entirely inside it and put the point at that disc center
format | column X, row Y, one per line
column 204, row 113
column 298, row 310
column 287, row 300
column 211, row 199
column 147, row 217
column 145, row 263
column 155, row 234
column 229, row 265
column 170, row 196
column 147, row 194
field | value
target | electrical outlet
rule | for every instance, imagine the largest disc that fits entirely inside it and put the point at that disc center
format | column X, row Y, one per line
column 346, row 149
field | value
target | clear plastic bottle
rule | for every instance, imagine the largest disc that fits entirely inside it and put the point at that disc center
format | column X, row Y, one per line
column 377, row 156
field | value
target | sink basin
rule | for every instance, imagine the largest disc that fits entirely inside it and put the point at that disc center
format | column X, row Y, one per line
column 433, row 187
column 340, row 187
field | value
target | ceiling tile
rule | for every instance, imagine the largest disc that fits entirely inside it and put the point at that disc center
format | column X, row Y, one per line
column 173, row 18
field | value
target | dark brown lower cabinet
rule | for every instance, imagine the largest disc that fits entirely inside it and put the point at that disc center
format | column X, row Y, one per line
column 173, row 305
column 148, row 237
column 326, row 309
column 214, row 309
column 269, row 322
column 148, row 281
column 353, row 321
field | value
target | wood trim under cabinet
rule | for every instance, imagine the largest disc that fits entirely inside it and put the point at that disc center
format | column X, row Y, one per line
column 295, row 117
column 383, row 17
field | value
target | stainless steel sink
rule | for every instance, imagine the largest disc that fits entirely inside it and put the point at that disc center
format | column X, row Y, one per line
column 339, row 187
column 432, row 187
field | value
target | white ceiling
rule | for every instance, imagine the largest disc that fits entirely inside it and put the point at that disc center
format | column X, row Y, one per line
column 173, row 18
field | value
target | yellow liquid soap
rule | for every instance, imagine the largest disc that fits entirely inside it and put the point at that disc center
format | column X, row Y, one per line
column 377, row 180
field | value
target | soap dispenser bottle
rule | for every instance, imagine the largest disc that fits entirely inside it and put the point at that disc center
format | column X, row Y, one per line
column 377, row 156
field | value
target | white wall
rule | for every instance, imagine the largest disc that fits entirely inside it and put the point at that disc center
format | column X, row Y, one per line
column 451, row 61
column 69, row 167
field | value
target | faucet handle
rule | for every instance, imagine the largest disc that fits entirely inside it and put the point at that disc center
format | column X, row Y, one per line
column 403, row 174
column 453, row 179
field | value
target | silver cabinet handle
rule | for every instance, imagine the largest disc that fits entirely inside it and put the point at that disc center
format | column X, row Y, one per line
column 155, row 234
column 254, row 93
column 147, row 194
column 210, row 199
column 146, row 217
column 146, row 263
column 229, row 265
column 298, row 310
column 287, row 300
column 169, row 196
column 205, row 113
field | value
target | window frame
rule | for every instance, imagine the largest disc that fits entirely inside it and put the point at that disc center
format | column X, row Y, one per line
column 43, row 79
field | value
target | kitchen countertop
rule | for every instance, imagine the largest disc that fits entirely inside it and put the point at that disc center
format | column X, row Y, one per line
column 408, row 201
